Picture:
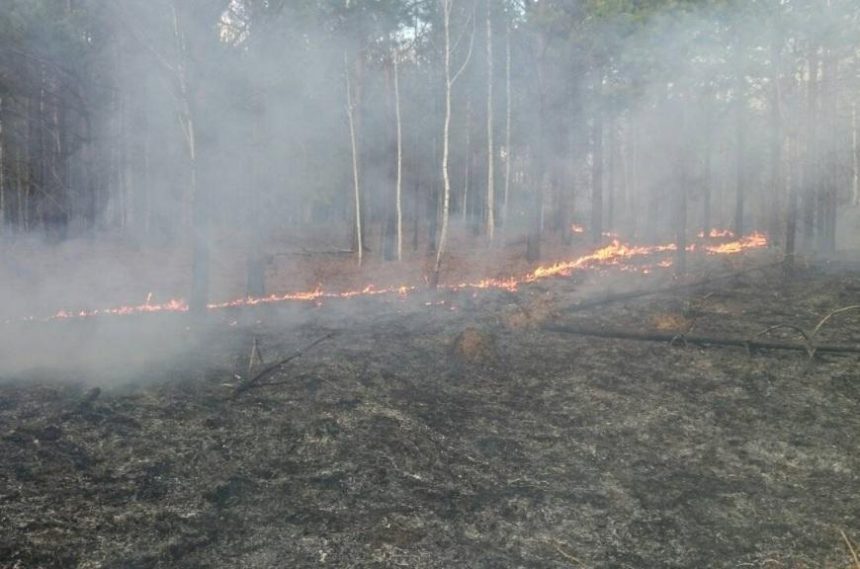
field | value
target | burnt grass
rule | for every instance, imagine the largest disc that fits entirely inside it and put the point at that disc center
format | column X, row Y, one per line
column 391, row 445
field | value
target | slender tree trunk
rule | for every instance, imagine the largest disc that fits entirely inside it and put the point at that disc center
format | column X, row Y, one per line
column 467, row 171
column 399, row 184
column 491, row 182
column 855, row 157
column 683, row 179
column 446, row 180
column 256, row 277
column 611, row 188
column 828, row 181
column 200, row 260
column 508, row 105
column 2, row 166
column 350, row 112
column 707, row 177
column 535, row 235
column 811, row 161
column 450, row 79
column 791, row 217
column 776, row 177
column 597, row 178
column 740, row 153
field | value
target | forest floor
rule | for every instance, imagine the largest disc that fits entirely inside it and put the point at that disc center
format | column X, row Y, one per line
column 448, row 430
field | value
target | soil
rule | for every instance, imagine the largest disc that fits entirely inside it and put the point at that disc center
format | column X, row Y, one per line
column 449, row 430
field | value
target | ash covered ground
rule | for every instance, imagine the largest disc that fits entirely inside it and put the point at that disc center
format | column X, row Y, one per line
column 461, row 433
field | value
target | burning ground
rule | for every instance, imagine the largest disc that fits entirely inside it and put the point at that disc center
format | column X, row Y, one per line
column 459, row 434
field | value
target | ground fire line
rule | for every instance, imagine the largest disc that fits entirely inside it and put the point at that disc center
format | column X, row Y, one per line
column 616, row 255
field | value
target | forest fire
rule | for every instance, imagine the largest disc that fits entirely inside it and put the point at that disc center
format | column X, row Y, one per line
column 614, row 255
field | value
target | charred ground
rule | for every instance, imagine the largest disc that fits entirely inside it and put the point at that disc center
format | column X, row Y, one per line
column 426, row 436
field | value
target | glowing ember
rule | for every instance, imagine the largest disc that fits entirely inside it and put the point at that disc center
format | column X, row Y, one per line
column 615, row 255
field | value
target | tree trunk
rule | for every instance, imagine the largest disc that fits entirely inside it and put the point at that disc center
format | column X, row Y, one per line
column 200, row 259
column 256, row 277
column 491, row 182
column 855, row 158
column 791, row 216
column 467, row 171
column 611, row 187
column 811, row 162
column 350, row 112
column 399, row 184
column 446, row 180
column 681, row 218
column 597, row 178
column 707, row 177
column 776, row 177
column 828, row 180
column 2, row 167
column 740, row 153
column 508, row 152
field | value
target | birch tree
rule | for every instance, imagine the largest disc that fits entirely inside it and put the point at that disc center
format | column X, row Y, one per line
column 449, row 80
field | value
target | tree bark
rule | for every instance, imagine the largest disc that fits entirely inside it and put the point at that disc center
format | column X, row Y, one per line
column 597, row 178
column 508, row 152
column 350, row 112
column 811, row 162
column 740, row 153
column 446, row 179
column 399, row 184
column 491, row 182
column 776, row 176
column 467, row 170
column 855, row 158
column 2, row 166
column 200, row 260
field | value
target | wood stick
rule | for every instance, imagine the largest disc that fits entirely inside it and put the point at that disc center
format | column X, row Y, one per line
column 751, row 344
column 245, row 386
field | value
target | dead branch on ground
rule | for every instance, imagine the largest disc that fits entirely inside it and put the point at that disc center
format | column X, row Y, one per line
column 268, row 370
column 703, row 341
column 809, row 337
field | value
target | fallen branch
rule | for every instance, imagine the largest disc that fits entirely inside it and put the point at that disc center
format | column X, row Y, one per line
column 851, row 549
column 703, row 341
column 809, row 337
column 824, row 320
column 609, row 299
column 265, row 372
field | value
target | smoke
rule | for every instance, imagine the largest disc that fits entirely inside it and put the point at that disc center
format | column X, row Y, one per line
column 148, row 112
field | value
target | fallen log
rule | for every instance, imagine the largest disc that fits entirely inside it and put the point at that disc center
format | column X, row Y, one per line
column 609, row 299
column 703, row 341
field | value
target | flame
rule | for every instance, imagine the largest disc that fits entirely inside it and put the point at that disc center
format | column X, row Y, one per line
column 614, row 255
column 577, row 228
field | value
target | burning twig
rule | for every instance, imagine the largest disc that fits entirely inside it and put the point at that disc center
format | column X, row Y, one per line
column 252, row 382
